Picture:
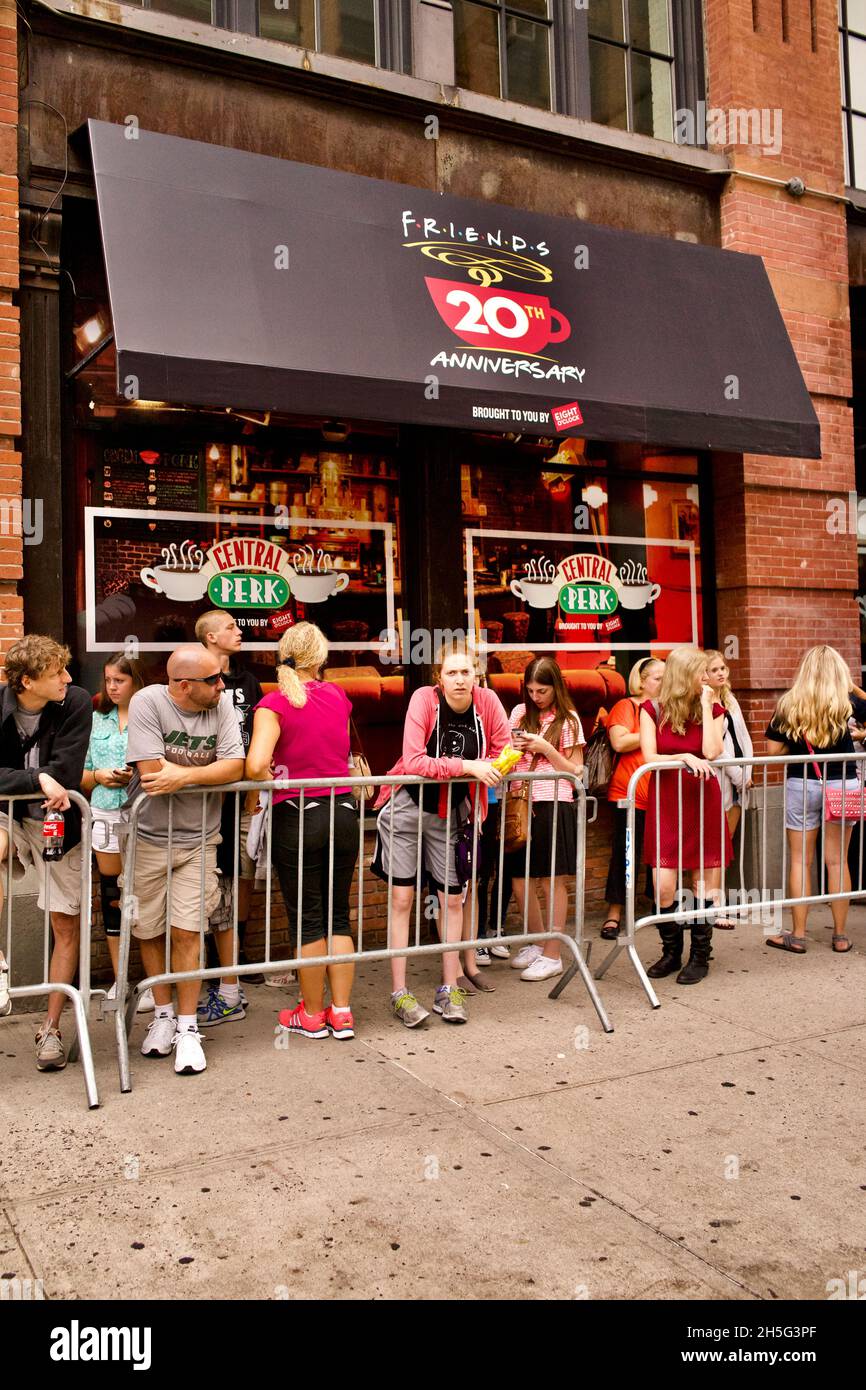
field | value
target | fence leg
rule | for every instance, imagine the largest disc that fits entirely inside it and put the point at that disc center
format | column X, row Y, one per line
column 579, row 965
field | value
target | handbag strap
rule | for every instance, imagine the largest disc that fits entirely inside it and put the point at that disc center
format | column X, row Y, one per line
column 815, row 765
column 355, row 744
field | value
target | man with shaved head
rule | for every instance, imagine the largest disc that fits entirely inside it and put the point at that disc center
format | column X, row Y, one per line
column 183, row 734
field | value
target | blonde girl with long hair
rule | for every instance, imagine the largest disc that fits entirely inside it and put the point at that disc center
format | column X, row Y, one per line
column 737, row 744
column 302, row 730
column 685, row 725
column 813, row 717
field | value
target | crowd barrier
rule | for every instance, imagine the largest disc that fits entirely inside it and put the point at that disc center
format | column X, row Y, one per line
column 761, row 899
column 78, row 997
column 313, row 788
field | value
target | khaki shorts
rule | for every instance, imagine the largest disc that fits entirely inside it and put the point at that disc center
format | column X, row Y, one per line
column 151, row 887
column 246, row 866
column 64, row 891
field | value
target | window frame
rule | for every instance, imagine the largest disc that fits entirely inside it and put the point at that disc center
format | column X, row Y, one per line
column 849, row 110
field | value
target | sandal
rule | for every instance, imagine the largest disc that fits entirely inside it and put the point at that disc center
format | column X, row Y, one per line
column 724, row 924
column 849, row 946
column 608, row 933
column 787, row 943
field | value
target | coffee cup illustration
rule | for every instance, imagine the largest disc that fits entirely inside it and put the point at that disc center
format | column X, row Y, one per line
column 182, row 585
column 536, row 592
column 635, row 596
column 495, row 318
column 315, row 588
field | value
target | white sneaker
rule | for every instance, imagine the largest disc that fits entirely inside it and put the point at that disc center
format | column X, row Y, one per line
column 188, row 1052
column 5, row 1001
column 281, row 981
column 544, row 968
column 159, row 1038
column 500, row 951
column 525, row 957
column 146, row 1004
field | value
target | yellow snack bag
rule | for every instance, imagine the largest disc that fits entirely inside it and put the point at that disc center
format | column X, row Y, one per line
column 507, row 760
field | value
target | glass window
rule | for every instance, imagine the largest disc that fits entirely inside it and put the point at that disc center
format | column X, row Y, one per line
column 605, row 19
column 857, row 70
column 292, row 21
column 527, row 61
column 652, row 96
column 346, row 28
column 199, row 10
column 504, row 53
column 857, row 16
column 476, row 48
column 636, row 39
column 607, row 85
column 649, row 25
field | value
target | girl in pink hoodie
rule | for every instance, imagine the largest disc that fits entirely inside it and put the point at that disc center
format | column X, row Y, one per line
column 452, row 732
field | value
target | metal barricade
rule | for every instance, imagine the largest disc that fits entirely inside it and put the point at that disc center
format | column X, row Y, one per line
column 572, row 942
column 765, row 900
column 80, row 997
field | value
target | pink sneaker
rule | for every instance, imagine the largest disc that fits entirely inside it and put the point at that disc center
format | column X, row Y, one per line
column 299, row 1021
column 340, row 1022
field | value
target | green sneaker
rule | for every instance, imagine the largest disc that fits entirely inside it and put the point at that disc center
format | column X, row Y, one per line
column 450, row 1003
column 406, row 1007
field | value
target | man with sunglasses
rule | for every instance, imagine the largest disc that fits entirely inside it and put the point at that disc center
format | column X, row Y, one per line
column 183, row 734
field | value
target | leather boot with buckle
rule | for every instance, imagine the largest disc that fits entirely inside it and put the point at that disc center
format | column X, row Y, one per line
column 699, row 956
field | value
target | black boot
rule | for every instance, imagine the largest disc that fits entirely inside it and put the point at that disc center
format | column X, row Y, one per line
column 672, row 947
column 699, row 956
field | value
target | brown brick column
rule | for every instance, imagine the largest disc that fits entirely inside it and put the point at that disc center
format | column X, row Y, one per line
column 10, row 377
column 786, row 579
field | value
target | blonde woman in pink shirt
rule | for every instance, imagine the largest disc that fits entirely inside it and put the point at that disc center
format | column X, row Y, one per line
column 453, row 730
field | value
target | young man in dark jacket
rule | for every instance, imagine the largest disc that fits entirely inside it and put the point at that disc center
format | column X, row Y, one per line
column 45, row 724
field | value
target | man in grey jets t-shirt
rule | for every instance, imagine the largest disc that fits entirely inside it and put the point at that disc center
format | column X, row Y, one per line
column 183, row 734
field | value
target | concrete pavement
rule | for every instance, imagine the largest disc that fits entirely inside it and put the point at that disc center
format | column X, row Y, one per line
column 711, row 1149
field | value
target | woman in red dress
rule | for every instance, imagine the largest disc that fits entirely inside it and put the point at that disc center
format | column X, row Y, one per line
column 686, row 726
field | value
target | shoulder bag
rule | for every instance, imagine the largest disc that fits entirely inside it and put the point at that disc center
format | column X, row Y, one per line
column 360, row 767
column 840, row 803
column 516, row 830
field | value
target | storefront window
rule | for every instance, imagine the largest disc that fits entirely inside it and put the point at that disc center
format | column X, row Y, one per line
column 574, row 555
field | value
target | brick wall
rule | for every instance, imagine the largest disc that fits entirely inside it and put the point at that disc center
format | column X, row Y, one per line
column 11, row 547
column 786, row 578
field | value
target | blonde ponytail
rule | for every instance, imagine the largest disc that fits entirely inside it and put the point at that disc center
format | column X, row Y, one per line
column 303, row 647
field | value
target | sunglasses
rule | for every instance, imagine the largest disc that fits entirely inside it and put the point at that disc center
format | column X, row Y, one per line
column 205, row 680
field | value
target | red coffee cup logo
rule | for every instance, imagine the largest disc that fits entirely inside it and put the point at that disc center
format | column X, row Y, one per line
column 508, row 319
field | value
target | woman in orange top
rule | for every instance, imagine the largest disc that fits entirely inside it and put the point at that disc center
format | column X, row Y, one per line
column 623, row 730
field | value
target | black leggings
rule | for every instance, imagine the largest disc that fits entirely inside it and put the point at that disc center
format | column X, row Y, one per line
column 318, row 888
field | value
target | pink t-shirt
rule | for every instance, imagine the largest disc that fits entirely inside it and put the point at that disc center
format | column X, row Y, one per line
column 313, row 740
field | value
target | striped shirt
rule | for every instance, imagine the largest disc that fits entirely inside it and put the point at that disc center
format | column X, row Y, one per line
column 542, row 789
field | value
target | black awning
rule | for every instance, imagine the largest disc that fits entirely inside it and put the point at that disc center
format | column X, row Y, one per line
column 240, row 280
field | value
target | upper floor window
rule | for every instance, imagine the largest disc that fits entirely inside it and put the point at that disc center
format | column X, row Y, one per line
column 631, row 65
column 346, row 28
column 852, row 61
column 503, row 48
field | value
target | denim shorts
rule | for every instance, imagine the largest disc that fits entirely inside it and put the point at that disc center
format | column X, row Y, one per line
column 794, row 818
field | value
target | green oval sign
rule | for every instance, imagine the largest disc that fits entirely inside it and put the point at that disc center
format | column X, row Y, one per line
column 248, row 591
column 599, row 600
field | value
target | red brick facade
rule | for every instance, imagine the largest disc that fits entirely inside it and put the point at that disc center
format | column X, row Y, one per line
column 772, row 515
column 11, row 544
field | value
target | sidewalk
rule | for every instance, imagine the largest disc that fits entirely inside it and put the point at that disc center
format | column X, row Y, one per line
column 710, row 1149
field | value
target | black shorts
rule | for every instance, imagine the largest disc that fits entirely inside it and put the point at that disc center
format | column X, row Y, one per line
column 541, row 847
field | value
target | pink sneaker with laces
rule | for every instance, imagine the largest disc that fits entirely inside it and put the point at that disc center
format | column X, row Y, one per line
column 340, row 1022
column 299, row 1021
